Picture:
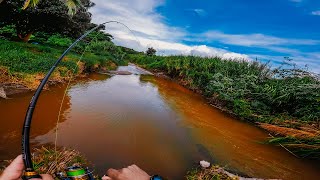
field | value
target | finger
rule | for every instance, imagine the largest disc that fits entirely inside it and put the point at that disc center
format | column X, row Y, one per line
column 14, row 170
column 134, row 167
column 106, row 177
column 112, row 173
column 46, row 177
column 125, row 171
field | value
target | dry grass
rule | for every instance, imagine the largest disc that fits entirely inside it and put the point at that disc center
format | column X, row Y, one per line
column 283, row 131
column 48, row 161
column 214, row 172
column 32, row 81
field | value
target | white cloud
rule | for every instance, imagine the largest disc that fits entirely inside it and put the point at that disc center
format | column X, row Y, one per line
column 172, row 48
column 149, row 27
column 139, row 15
column 199, row 12
column 252, row 39
column 152, row 30
column 316, row 13
column 309, row 60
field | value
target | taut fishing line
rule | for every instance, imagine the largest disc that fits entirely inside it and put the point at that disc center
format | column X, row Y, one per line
column 72, row 171
column 61, row 104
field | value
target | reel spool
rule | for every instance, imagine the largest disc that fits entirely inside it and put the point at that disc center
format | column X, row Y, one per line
column 75, row 173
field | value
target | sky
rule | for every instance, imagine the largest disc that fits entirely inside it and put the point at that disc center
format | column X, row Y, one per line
column 267, row 30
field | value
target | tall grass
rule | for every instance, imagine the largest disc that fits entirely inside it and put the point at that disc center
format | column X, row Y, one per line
column 249, row 89
column 287, row 97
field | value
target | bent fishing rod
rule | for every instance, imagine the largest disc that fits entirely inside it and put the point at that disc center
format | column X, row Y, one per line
column 73, row 172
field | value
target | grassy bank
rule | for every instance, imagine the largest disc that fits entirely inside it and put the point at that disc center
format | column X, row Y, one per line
column 288, row 98
column 26, row 64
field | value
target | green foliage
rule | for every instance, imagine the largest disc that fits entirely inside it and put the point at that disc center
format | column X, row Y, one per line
column 40, row 37
column 303, row 147
column 23, row 59
column 99, row 36
column 151, row 51
column 49, row 16
column 249, row 89
column 242, row 108
column 32, row 59
column 58, row 40
column 8, row 31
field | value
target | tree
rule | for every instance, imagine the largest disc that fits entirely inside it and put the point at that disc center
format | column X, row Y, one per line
column 71, row 4
column 50, row 16
column 151, row 51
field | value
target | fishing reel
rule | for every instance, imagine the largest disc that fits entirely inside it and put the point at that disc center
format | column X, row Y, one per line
column 75, row 173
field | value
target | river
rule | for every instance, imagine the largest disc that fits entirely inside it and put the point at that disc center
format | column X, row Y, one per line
column 164, row 128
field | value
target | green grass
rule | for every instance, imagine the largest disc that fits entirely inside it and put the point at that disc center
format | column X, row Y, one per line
column 23, row 59
column 251, row 90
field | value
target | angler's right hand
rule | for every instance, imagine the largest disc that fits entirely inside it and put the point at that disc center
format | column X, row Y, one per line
column 15, row 170
column 132, row 172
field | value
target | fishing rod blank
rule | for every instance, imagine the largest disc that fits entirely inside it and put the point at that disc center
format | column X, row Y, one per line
column 26, row 154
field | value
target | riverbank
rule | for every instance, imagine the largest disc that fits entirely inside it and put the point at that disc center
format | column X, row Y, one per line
column 24, row 65
column 284, row 102
column 47, row 160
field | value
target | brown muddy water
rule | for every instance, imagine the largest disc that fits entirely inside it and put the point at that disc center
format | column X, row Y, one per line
column 154, row 123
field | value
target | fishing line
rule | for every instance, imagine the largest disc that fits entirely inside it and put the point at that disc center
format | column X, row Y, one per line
column 63, row 97
column 68, row 85
column 26, row 153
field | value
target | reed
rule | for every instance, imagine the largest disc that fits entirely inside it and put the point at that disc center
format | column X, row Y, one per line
column 286, row 99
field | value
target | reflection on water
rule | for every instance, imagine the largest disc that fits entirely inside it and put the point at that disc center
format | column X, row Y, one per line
column 12, row 116
column 154, row 123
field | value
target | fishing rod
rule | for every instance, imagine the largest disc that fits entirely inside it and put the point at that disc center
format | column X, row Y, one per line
column 73, row 172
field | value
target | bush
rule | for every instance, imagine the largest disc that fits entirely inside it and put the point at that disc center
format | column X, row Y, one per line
column 40, row 37
column 8, row 31
column 58, row 40
column 249, row 89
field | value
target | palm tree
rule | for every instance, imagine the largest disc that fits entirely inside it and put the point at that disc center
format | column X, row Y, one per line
column 71, row 4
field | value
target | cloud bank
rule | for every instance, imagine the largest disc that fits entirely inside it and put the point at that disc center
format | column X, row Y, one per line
column 149, row 29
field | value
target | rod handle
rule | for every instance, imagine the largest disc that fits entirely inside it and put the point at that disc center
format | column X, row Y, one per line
column 30, row 175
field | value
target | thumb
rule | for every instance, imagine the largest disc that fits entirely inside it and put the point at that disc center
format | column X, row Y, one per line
column 14, row 170
column 105, row 178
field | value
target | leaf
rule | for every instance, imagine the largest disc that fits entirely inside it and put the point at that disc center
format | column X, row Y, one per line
column 72, row 6
column 26, row 4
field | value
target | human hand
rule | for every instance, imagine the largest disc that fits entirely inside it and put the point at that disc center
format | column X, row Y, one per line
column 132, row 172
column 15, row 170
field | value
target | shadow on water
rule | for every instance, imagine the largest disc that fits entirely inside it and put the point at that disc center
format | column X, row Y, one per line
column 154, row 123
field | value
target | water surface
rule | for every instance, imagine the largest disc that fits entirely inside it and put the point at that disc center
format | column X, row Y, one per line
column 154, row 123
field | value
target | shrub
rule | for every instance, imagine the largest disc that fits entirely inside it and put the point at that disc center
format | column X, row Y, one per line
column 40, row 37
column 8, row 31
column 249, row 89
column 58, row 40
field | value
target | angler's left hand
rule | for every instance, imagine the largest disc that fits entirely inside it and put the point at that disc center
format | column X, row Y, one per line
column 15, row 170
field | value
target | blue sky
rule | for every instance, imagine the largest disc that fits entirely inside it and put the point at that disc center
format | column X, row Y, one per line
column 263, row 29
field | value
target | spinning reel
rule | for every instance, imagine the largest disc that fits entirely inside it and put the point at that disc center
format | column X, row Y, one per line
column 75, row 173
